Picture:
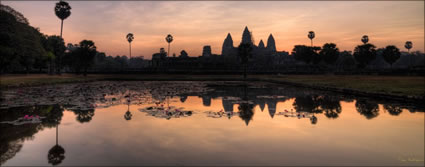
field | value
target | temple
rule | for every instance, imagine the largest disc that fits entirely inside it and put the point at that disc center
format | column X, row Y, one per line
column 263, row 56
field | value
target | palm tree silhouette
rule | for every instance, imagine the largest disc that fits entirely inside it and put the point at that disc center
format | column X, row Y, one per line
column 130, row 38
column 408, row 45
column 169, row 39
column 62, row 11
column 311, row 35
column 365, row 39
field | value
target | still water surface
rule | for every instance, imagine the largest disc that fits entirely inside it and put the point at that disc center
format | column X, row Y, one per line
column 205, row 123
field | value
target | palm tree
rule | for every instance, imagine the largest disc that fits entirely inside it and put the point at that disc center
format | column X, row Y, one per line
column 365, row 39
column 409, row 46
column 62, row 11
column 311, row 35
column 130, row 38
column 169, row 39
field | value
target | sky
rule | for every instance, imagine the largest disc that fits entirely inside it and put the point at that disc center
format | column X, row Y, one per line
column 194, row 24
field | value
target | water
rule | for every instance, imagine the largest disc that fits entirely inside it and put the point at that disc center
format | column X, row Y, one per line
column 208, row 123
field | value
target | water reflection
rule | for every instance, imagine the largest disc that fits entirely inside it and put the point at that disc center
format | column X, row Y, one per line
column 393, row 110
column 128, row 115
column 367, row 108
column 168, row 100
column 246, row 108
column 13, row 136
column 57, row 153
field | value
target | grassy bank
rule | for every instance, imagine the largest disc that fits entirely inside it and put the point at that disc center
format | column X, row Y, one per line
column 396, row 85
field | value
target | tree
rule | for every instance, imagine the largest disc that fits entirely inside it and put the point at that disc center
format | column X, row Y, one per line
column 408, row 45
column 8, row 25
column 364, row 54
column 86, row 52
column 130, row 38
column 244, row 52
column 306, row 54
column 391, row 54
column 365, row 39
column 346, row 61
column 169, row 39
column 55, row 45
column 20, row 44
column 62, row 11
column 311, row 35
column 28, row 46
column 72, row 58
column 329, row 53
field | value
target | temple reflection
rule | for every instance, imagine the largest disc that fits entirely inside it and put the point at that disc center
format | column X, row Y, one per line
column 175, row 100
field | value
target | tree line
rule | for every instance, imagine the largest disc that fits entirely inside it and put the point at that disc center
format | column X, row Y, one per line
column 24, row 48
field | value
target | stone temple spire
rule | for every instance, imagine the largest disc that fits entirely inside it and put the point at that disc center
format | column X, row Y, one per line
column 227, row 45
column 271, row 44
column 246, row 36
column 261, row 44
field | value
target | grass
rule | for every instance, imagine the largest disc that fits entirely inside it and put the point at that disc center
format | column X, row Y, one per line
column 40, row 79
column 397, row 85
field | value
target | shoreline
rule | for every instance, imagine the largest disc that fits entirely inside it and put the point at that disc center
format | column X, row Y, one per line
column 16, row 81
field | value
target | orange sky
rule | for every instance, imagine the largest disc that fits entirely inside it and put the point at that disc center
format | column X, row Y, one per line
column 198, row 23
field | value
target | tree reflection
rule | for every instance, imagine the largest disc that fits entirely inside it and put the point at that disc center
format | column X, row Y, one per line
column 56, row 154
column 313, row 120
column 331, row 106
column 128, row 115
column 12, row 137
column 392, row 109
column 366, row 108
column 183, row 98
column 84, row 116
column 53, row 114
column 246, row 109
column 307, row 104
column 246, row 112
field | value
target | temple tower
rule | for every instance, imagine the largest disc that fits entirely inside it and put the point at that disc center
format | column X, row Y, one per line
column 261, row 45
column 271, row 46
column 246, row 36
column 227, row 45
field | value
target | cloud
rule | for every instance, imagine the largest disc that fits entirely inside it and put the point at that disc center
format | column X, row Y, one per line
column 197, row 23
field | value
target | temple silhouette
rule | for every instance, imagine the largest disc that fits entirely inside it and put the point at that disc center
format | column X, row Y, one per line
column 264, row 56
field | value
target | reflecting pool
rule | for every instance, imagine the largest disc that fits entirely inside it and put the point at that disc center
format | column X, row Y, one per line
column 204, row 123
